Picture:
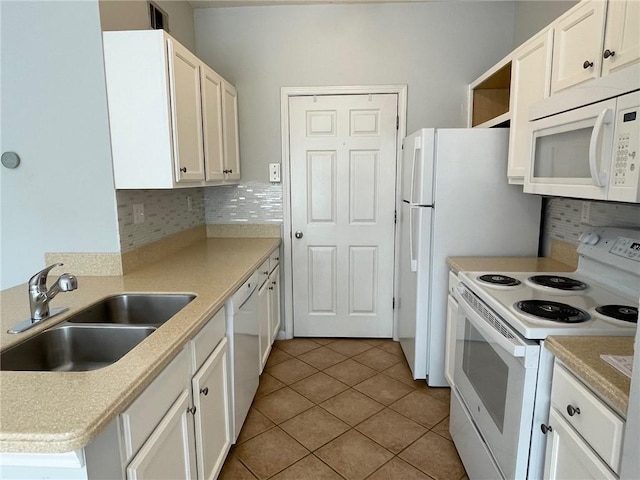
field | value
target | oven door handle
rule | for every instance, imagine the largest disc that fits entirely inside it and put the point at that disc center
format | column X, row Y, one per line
column 514, row 345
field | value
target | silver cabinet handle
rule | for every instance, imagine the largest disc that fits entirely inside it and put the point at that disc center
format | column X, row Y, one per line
column 299, row 234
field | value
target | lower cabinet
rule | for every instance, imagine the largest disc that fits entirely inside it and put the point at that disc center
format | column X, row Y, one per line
column 265, row 326
column 274, row 302
column 210, row 388
column 584, row 435
column 169, row 452
column 269, row 305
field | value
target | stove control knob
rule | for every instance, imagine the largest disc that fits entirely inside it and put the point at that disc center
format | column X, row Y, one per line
column 590, row 238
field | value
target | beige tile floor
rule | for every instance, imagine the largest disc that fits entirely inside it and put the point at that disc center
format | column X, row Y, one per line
column 344, row 409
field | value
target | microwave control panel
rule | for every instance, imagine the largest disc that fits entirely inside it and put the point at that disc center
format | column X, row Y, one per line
column 625, row 172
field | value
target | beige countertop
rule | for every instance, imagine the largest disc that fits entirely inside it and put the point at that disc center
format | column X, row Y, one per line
column 582, row 356
column 507, row 264
column 49, row 412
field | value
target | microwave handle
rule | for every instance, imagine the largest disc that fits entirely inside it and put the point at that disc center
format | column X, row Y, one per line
column 599, row 177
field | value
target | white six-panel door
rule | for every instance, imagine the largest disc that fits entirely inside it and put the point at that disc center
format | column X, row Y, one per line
column 343, row 175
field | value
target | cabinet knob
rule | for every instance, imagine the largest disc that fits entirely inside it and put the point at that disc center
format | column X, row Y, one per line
column 225, row 171
column 231, row 170
column 571, row 410
column 183, row 169
column 204, row 391
column 277, row 259
column 273, row 283
column 546, row 428
column 192, row 410
column 270, row 288
column 609, row 53
column 587, row 64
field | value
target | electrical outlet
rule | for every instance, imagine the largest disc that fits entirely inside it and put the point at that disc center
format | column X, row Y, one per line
column 585, row 216
column 274, row 172
column 189, row 204
column 138, row 213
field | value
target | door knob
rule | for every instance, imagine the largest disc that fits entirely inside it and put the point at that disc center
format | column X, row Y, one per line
column 299, row 234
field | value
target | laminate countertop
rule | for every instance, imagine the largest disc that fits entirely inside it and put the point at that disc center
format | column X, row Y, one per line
column 507, row 264
column 582, row 356
column 54, row 412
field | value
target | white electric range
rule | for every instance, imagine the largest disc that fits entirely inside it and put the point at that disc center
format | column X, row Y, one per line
column 502, row 373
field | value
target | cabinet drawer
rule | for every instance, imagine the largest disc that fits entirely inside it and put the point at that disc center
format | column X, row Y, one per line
column 143, row 415
column 600, row 427
column 274, row 260
column 263, row 272
column 207, row 339
column 453, row 282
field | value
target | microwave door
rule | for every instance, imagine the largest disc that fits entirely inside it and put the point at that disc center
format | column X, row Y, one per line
column 571, row 153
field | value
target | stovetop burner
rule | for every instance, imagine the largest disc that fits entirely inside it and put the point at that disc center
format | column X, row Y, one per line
column 558, row 282
column 552, row 311
column 624, row 313
column 499, row 279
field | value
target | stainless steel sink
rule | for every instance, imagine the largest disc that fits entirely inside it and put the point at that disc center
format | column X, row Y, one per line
column 74, row 348
column 133, row 309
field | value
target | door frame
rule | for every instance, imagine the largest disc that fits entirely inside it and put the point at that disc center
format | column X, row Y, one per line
column 285, row 94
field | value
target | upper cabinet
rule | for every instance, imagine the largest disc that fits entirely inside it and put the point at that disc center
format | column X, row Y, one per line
column 593, row 39
column 171, row 122
column 530, row 83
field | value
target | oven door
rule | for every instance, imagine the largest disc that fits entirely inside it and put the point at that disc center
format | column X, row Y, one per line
column 495, row 374
column 571, row 152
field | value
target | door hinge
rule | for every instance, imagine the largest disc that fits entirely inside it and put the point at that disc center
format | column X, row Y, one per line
column 395, row 216
column 397, row 122
column 393, row 303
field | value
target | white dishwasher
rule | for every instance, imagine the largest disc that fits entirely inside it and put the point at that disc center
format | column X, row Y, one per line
column 244, row 350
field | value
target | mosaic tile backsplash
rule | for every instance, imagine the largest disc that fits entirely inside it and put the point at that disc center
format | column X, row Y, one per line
column 166, row 212
column 563, row 217
column 250, row 202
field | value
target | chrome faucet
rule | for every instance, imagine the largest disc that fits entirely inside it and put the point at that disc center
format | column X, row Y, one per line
column 40, row 296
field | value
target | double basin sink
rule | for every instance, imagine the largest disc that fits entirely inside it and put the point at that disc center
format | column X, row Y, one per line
column 95, row 337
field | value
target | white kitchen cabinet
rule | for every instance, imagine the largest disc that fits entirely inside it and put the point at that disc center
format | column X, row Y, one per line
column 622, row 35
column 211, row 400
column 170, row 115
column 263, row 312
column 568, row 456
column 169, row 451
column 530, row 82
column 274, row 302
column 230, row 130
column 578, row 37
column 584, row 434
column 593, row 39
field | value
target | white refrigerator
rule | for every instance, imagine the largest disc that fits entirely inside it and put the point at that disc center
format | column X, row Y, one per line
column 455, row 202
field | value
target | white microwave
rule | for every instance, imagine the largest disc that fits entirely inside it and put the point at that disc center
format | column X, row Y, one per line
column 589, row 152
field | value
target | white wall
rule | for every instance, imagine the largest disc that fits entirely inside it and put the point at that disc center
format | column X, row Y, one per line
column 437, row 49
column 532, row 16
column 54, row 115
column 134, row 15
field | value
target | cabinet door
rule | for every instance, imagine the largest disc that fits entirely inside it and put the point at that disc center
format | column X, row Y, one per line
column 265, row 326
column 530, row 82
column 186, row 113
column 622, row 35
column 274, row 302
column 578, row 38
column 213, row 414
column 568, row 457
column 169, row 451
column 212, row 124
column 230, row 131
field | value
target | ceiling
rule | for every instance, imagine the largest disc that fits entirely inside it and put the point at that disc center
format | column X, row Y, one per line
column 254, row 3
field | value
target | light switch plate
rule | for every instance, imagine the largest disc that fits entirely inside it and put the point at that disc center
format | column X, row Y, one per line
column 274, row 172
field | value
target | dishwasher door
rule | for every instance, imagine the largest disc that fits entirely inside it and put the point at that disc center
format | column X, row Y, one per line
column 243, row 332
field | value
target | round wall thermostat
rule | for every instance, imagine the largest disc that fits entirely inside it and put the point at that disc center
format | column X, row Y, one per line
column 10, row 159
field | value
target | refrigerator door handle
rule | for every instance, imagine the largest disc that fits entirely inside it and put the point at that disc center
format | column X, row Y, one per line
column 417, row 146
column 414, row 257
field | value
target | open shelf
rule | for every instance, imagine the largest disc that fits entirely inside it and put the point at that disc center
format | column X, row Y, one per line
column 490, row 98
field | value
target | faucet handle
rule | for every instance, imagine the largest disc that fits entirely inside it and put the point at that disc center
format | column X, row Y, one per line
column 39, row 280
